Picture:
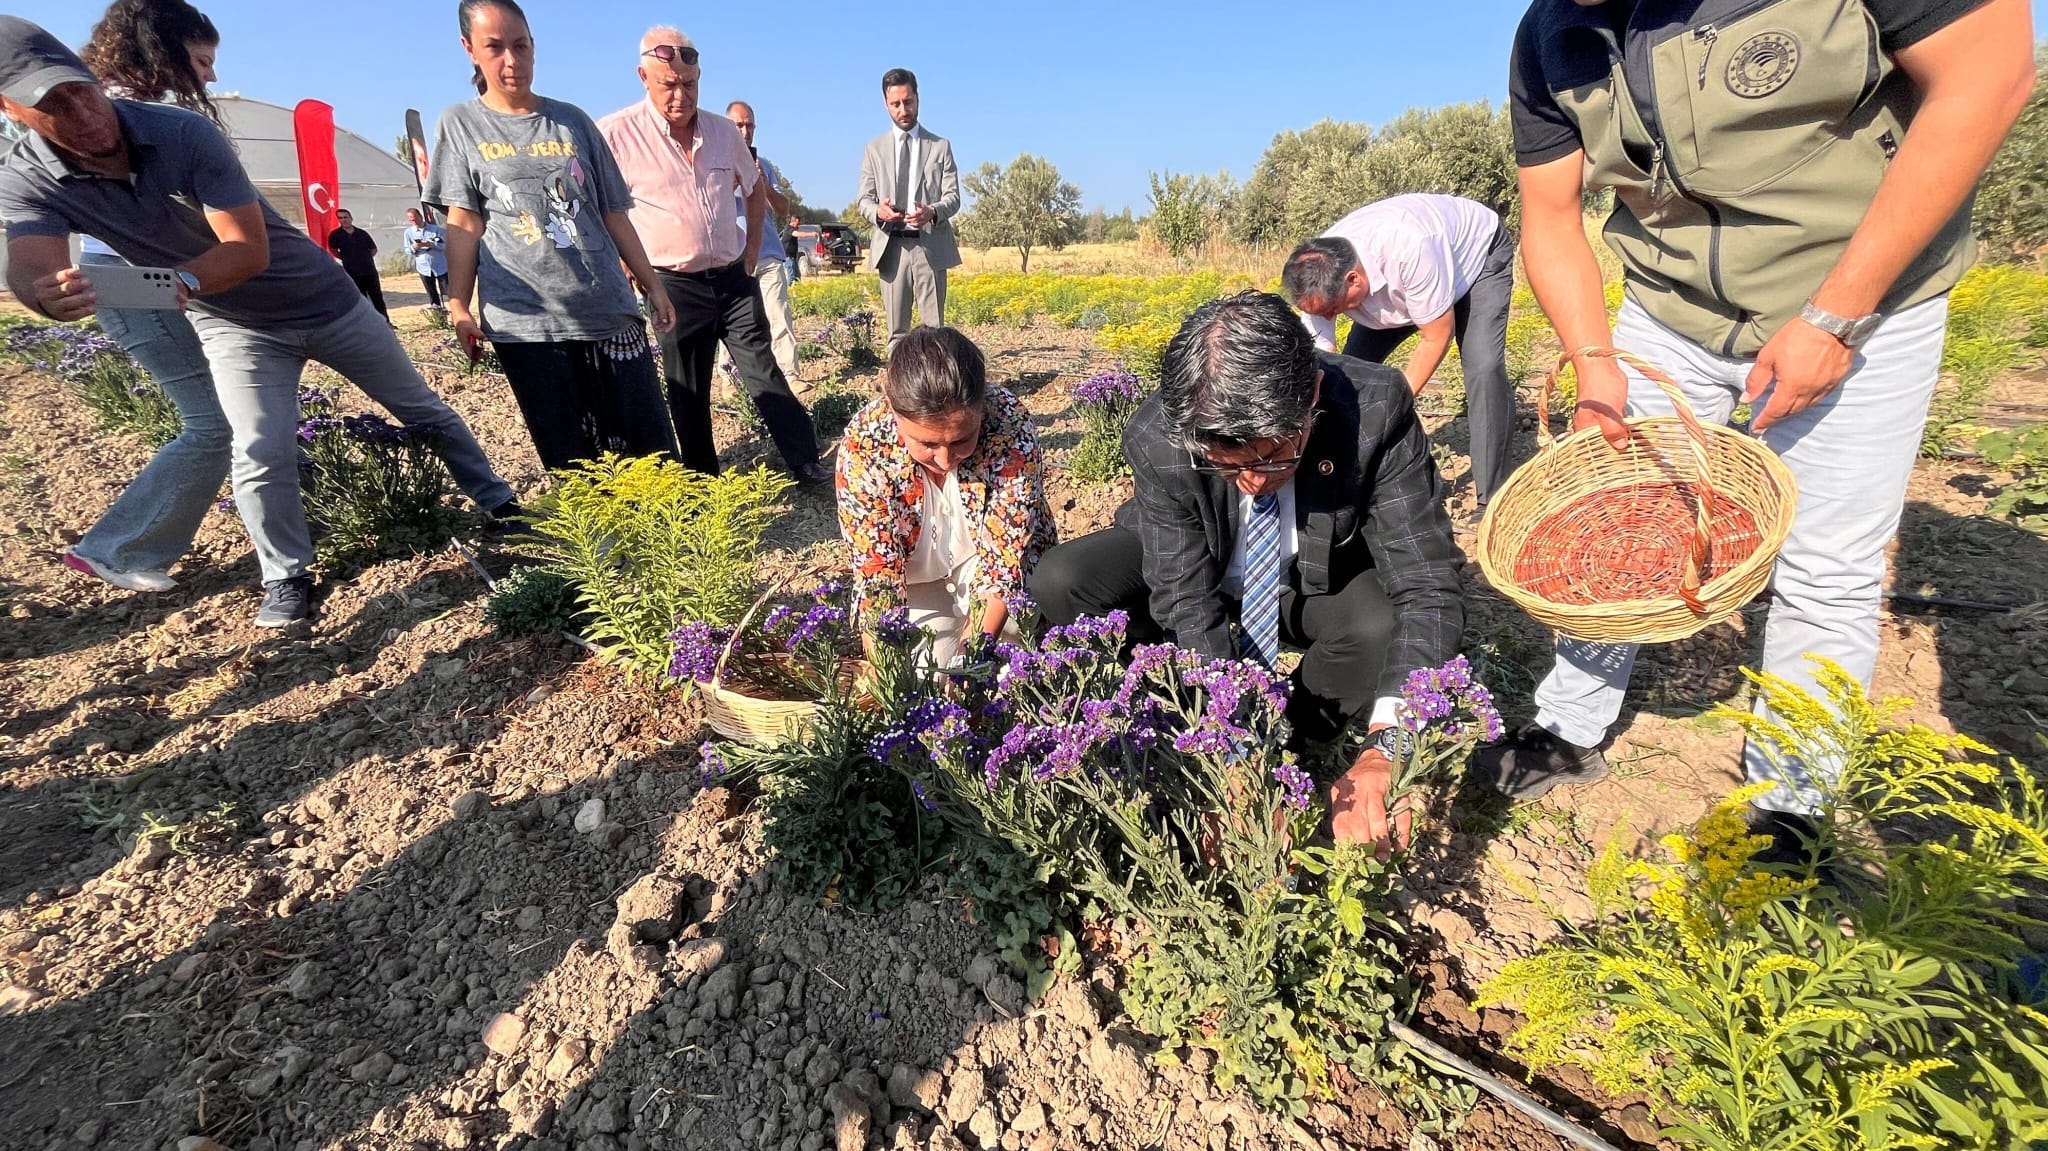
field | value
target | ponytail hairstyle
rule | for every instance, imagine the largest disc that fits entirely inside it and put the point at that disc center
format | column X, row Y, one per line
column 140, row 49
column 464, row 9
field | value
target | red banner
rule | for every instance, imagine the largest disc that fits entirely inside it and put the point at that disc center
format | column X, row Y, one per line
column 319, row 177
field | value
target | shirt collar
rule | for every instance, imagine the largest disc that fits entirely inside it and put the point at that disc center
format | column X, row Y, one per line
column 660, row 122
column 900, row 133
column 50, row 159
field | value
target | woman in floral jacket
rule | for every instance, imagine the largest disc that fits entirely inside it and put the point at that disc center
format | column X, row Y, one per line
column 942, row 492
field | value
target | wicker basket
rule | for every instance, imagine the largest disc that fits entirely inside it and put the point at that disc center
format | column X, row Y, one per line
column 1648, row 544
column 736, row 715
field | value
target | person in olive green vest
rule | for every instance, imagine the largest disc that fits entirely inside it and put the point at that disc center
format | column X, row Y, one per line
column 1792, row 184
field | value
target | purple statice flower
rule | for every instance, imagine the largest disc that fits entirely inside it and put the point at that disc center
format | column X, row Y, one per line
column 1295, row 785
column 712, row 763
column 830, row 590
column 861, row 321
column 1449, row 696
column 313, row 427
column 820, row 622
column 366, row 428
column 1105, row 389
column 312, row 397
column 924, row 717
column 893, row 627
column 778, row 618
column 696, row 649
column 923, row 800
column 226, row 504
column 1020, row 602
column 1089, row 630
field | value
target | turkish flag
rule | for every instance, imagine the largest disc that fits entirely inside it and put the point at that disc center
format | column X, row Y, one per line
column 319, row 176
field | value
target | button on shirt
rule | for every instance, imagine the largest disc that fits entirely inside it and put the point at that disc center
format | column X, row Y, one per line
column 1420, row 254
column 682, row 208
column 180, row 166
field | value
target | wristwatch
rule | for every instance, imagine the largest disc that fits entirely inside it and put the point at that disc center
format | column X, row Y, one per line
column 191, row 281
column 1392, row 741
column 1852, row 333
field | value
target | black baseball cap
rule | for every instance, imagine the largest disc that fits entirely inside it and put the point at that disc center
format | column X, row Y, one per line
column 32, row 62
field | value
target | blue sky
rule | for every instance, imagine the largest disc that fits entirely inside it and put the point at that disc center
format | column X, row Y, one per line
column 1106, row 91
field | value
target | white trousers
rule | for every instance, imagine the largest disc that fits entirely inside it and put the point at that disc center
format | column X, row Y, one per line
column 1852, row 454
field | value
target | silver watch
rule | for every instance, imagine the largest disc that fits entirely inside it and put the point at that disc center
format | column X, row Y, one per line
column 190, row 280
column 1852, row 333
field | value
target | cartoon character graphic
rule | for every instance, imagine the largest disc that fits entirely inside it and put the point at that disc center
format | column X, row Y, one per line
column 563, row 205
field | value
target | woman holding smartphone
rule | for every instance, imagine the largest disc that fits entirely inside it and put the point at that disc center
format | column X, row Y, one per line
column 536, row 221
column 157, row 50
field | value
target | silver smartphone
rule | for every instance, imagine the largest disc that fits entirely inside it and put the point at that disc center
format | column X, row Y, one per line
column 125, row 286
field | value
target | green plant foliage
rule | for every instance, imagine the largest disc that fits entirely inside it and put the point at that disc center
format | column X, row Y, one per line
column 831, row 412
column 1763, row 1009
column 1023, row 206
column 371, row 488
column 532, row 601
column 1997, row 321
column 104, row 375
column 2024, row 453
column 1106, row 402
column 2011, row 213
column 831, row 296
column 648, row 542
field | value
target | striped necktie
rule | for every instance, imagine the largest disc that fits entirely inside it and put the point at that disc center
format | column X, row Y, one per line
column 1261, row 606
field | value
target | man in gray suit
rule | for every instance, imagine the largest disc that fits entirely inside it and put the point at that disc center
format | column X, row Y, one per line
column 910, row 191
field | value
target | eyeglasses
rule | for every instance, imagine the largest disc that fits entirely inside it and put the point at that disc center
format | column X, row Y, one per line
column 672, row 54
column 1202, row 465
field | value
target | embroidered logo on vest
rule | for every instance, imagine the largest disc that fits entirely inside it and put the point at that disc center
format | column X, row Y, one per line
column 1763, row 64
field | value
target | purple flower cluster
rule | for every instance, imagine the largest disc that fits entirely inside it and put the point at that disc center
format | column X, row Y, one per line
column 696, row 650
column 1106, row 632
column 1107, row 389
column 821, row 622
column 713, row 764
column 312, row 397
column 862, row 322
column 1295, row 785
column 934, row 716
column 1449, row 696
column 81, row 351
column 893, row 627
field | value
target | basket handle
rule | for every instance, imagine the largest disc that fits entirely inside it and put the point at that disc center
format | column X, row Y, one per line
column 1690, row 579
column 739, row 629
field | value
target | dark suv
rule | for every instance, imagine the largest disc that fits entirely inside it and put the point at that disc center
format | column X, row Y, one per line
column 822, row 246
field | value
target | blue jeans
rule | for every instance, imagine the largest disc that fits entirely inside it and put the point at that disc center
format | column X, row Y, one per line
column 154, row 520
column 256, row 373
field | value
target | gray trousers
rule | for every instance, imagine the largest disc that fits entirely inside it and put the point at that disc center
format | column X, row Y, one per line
column 909, row 278
column 1852, row 454
column 256, row 376
column 1481, row 321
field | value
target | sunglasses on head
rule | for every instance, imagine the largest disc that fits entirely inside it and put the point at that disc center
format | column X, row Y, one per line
column 672, row 54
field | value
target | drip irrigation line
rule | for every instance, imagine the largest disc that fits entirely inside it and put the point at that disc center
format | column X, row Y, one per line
column 1521, row 1101
column 1919, row 600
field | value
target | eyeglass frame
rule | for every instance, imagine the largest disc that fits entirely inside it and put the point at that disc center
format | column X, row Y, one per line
column 674, row 54
column 1201, row 466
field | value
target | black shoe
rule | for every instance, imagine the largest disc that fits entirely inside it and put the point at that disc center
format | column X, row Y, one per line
column 1530, row 762
column 814, row 473
column 509, row 521
column 286, row 602
column 1792, row 838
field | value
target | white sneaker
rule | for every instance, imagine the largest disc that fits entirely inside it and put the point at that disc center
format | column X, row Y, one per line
column 132, row 581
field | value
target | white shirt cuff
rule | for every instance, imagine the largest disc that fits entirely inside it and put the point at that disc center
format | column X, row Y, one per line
column 1385, row 710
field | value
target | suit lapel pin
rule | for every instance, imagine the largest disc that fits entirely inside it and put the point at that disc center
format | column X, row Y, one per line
column 1327, row 467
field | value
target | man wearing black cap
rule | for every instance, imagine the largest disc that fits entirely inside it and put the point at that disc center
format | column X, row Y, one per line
column 163, row 188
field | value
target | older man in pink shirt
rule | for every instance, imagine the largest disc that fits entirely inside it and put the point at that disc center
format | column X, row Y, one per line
column 683, row 165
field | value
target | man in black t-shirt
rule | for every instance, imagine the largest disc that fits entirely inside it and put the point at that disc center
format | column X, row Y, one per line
column 358, row 255
column 1792, row 184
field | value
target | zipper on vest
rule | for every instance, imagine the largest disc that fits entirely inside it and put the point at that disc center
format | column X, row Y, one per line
column 1653, row 122
column 1705, row 35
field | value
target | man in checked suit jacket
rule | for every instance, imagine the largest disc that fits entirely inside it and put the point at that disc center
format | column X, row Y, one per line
column 1367, row 574
column 912, row 210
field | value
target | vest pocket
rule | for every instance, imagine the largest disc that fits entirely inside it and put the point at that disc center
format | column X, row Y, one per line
column 1766, row 92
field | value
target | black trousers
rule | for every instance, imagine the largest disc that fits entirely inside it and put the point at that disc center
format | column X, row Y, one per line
column 1481, row 321
column 724, row 305
column 372, row 289
column 436, row 286
column 580, row 398
column 1344, row 636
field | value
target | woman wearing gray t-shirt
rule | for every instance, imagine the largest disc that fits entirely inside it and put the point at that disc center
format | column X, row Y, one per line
column 537, row 227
